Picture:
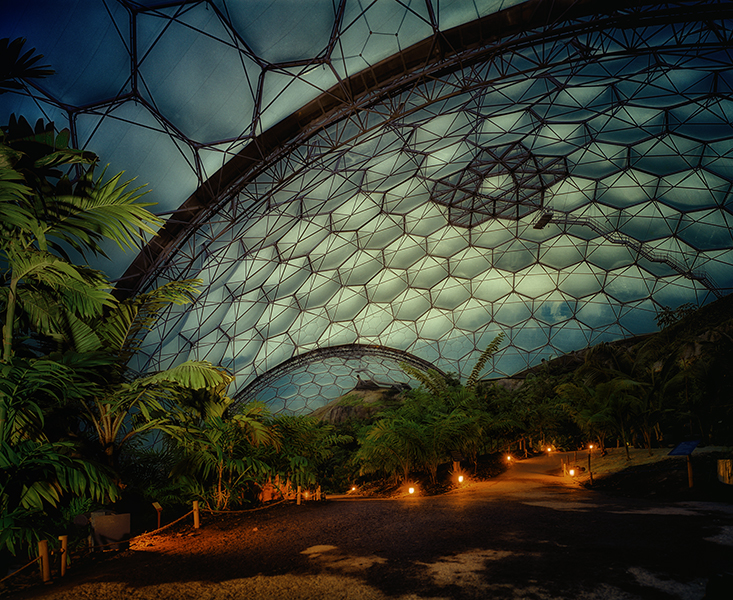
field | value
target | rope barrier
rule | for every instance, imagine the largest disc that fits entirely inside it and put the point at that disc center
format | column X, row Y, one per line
column 34, row 561
column 98, row 546
column 246, row 510
column 146, row 534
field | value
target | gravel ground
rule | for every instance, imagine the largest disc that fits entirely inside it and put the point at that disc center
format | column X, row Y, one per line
column 527, row 534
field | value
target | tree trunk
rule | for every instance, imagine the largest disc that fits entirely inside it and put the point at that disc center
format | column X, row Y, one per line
column 9, row 322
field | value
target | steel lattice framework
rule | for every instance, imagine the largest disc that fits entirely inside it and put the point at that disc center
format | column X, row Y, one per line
column 554, row 171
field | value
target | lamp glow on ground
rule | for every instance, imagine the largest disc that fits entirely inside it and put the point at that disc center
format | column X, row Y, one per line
column 409, row 488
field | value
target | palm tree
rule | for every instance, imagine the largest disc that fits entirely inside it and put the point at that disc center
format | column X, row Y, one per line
column 219, row 450
column 439, row 417
column 44, row 212
column 123, row 404
column 61, row 326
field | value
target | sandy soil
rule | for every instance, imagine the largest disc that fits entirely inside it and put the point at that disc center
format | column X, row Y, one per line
column 530, row 533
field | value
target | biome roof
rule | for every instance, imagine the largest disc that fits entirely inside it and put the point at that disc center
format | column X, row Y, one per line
column 359, row 183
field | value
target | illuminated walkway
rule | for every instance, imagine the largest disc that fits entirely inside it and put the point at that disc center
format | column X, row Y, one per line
column 526, row 534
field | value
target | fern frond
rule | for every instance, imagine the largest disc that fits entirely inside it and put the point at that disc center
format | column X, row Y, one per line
column 483, row 359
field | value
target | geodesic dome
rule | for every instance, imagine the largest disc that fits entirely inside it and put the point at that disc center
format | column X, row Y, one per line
column 405, row 180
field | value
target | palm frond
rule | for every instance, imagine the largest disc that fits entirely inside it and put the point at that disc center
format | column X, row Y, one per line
column 431, row 379
column 16, row 64
column 491, row 349
column 194, row 374
column 125, row 326
column 12, row 190
column 105, row 210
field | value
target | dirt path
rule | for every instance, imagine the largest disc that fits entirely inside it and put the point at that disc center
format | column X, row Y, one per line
column 526, row 534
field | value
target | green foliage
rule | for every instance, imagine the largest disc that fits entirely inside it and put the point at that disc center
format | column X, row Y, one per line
column 219, row 458
column 38, row 475
column 305, row 449
column 52, row 209
column 420, row 433
column 490, row 350
column 350, row 401
column 65, row 340
column 668, row 316
column 431, row 379
column 16, row 64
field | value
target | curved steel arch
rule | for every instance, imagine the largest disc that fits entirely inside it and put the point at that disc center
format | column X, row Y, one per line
column 344, row 352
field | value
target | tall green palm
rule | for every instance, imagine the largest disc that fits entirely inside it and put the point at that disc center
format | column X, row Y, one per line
column 219, row 458
column 44, row 212
column 50, row 201
column 125, row 404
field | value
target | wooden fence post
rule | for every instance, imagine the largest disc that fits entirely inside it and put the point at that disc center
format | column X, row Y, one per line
column 297, row 497
column 64, row 554
column 196, row 516
column 45, row 562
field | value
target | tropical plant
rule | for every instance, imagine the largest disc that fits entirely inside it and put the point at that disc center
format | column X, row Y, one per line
column 44, row 212
column 306, row 447
column 125, row 404
column 54, row 350
column 219, row 460
column 393, row 446
column 16, row 65
column 440, row 417
column 39, row 475
column 587, row 410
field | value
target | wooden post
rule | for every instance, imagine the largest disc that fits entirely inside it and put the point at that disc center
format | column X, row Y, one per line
column 689, row 470
column 196, row 516
column 45, row 562
column 725, row 471
column 64, row 554
column 297, row 497
column 590, row 472
column 318, row 493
